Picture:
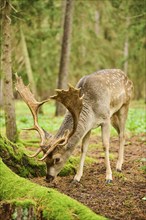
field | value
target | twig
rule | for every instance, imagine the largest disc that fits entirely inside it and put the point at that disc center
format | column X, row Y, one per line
column 132, row 17
column 3, row 6
column 13, row 7
column 8, row 18
column 17, row 17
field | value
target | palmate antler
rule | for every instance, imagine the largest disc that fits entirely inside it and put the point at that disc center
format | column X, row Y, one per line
column 69, row 98
column 34, row 106
column 73, row 102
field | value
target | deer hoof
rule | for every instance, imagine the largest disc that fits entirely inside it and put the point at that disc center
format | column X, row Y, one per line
column 118, row 170
column 75, row 182
column 108, row 181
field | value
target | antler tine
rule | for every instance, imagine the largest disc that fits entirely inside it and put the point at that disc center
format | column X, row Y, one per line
column 36, row 153
column 72, row 101
column 64, row 138
column 33, row 105
column 51, row 149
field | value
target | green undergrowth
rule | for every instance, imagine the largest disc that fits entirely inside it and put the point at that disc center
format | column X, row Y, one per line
column 136, row 122
column 52, row 204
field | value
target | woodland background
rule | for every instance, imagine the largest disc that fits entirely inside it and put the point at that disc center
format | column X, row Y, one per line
column 105, row 34
column 50, row 43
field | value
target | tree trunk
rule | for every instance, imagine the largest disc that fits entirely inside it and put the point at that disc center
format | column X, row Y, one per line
column 1, row 93
column 126, row 47
column 97, row 17
column 28, row 68
column 10, row 120
column 65, row 52
column 27, row 63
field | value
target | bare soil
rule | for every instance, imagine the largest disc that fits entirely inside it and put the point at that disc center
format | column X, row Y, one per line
column 121, row 200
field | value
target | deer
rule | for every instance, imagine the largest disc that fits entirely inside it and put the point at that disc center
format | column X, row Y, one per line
column 100, row 99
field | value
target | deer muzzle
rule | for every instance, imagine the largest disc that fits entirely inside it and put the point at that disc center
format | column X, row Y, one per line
column 49, row 178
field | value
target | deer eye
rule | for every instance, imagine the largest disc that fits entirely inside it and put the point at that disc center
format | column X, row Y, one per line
column 57, row 160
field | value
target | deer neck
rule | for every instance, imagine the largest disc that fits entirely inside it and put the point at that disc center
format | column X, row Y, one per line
column 84, row 125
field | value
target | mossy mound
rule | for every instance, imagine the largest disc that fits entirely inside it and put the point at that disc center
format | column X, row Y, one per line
column 26, row 197
column 15, row 157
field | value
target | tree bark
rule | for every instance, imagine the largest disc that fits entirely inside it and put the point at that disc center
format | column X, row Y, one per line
column 65, row 53
column 10, row 119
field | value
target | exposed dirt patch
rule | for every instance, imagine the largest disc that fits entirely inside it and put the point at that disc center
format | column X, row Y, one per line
column 123, row 199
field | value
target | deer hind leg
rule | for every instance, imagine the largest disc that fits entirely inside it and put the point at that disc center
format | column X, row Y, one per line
column 84, row 149
column 105, row 128
column 118, row 121
column 122, row 115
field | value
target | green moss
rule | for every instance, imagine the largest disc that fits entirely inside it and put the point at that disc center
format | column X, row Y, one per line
column 96, row 146
column 24, row 172
column 15, row 156
column 111, row 155
column 67, row 169
column 54, row 205
column 75, row 160
column 71, row 165
column 33, row 142
column 25, row 203
column 143, row 168
column 90, row 160
column 120, row 176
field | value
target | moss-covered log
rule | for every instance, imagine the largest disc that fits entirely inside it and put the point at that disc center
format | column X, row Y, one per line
column 15, row 157
column 27, row 200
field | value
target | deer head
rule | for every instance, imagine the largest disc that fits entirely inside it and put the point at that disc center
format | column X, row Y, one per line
column 50, row 144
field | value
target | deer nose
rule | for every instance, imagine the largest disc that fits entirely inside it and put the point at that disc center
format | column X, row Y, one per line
column 49, row 178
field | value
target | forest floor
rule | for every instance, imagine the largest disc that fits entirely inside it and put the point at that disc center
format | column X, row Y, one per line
column 124, row 199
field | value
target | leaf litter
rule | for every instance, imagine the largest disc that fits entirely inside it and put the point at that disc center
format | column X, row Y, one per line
column 125, row 197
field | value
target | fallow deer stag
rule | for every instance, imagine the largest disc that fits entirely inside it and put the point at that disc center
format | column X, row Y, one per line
column 98, row 100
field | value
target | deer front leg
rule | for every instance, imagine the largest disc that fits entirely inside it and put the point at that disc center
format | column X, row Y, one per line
column 105, row 139
column 84, row 149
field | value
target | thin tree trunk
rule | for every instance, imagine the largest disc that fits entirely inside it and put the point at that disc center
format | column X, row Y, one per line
column 27, row 63
column 65, row 52
column 1, row 93
column 97, row 17
column 10, row 119
column 63, row 7
column 126, row 47
column 28, row 68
